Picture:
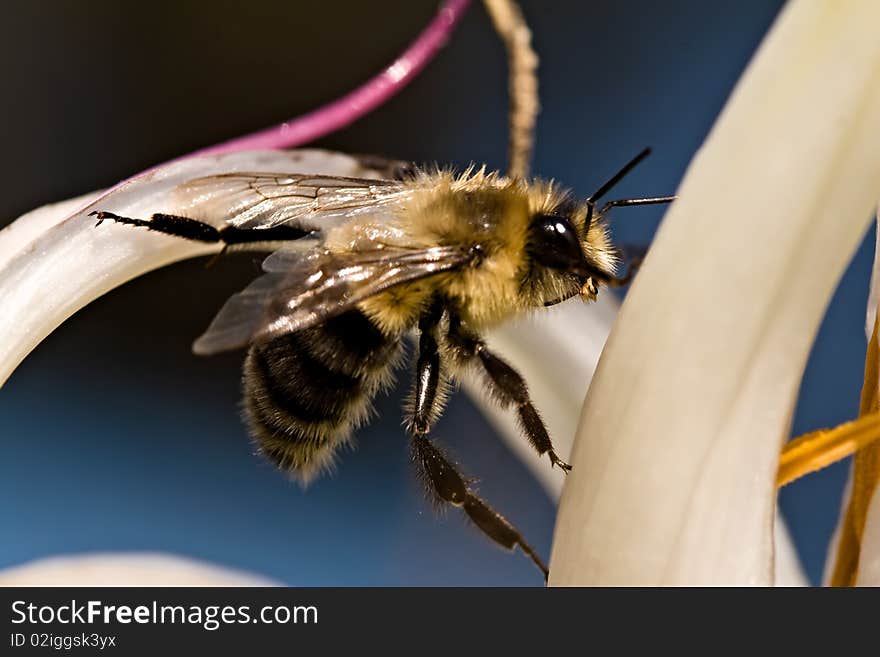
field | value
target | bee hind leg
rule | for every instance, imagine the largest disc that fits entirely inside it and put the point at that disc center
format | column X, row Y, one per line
column 442, row 479
column 509, row 389
column 199, row 231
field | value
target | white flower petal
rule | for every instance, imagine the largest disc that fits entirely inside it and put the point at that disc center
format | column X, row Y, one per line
column 557, row 352
column 875, row 282
column 674, row 466
column 126, row 569
column 51, row 265
column 787, row 569
column 15, row 237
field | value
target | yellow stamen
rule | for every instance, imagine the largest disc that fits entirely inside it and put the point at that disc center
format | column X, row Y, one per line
column 818, row 449
column 865, row 475
column 861, row 437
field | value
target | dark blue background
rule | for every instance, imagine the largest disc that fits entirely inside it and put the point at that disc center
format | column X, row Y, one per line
column 115, row 438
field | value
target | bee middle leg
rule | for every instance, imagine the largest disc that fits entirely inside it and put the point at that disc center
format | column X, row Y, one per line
column 509, row 388
column 444, row 482
column 449, row 487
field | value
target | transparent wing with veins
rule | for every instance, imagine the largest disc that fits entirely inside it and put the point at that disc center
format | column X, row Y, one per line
column 317, row 286
column 313, row 203
column 303, row 287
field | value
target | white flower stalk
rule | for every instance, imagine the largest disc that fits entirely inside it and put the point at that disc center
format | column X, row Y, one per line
column 52, row 263
column 675, row 459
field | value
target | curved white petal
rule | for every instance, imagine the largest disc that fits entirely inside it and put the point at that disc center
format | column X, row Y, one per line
column 674, row 465
column 557, row 352
column 787, row 568
column 53, row 263
column 126, row 569
column 875, row 285
column 24, row 230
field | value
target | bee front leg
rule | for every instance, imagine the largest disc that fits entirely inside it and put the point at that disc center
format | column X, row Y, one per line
column 169, row 224
column 444, row 482
column 508, row 388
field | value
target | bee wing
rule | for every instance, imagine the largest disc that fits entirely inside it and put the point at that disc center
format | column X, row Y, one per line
column 318, row 286
column 311, row 202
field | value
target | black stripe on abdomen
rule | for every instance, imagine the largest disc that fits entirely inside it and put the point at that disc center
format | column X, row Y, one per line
column 306, row 388
column 304, row 391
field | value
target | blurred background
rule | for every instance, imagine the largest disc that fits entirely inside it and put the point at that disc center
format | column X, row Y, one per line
column 115, row 437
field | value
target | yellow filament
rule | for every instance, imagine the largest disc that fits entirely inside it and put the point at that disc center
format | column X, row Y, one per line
column 861, row 437
column 865, row 475
column 818, row 449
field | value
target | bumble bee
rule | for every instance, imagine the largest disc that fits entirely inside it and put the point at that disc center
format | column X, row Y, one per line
column 358, row 264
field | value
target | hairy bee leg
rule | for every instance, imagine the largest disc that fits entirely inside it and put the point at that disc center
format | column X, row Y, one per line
column 445, row 484
column 166, row 223
column 424, row 402
column 198, row 231
column 509, row 388
column 448, row 486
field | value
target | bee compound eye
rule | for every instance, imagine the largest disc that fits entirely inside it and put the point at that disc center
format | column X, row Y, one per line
column 554, row 243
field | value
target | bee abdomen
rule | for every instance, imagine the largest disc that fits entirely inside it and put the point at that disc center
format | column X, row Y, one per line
column 305, row 392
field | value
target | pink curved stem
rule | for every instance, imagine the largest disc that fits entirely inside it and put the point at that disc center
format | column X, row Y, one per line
column 354, row 105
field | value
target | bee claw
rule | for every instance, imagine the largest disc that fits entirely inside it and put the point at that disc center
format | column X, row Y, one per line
column 562, row 465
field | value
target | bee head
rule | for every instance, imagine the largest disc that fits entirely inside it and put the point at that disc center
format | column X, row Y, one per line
column 591, row 259
column 556, row 244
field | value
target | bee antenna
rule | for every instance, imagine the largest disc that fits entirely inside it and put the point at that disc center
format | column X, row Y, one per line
column 616, row 178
